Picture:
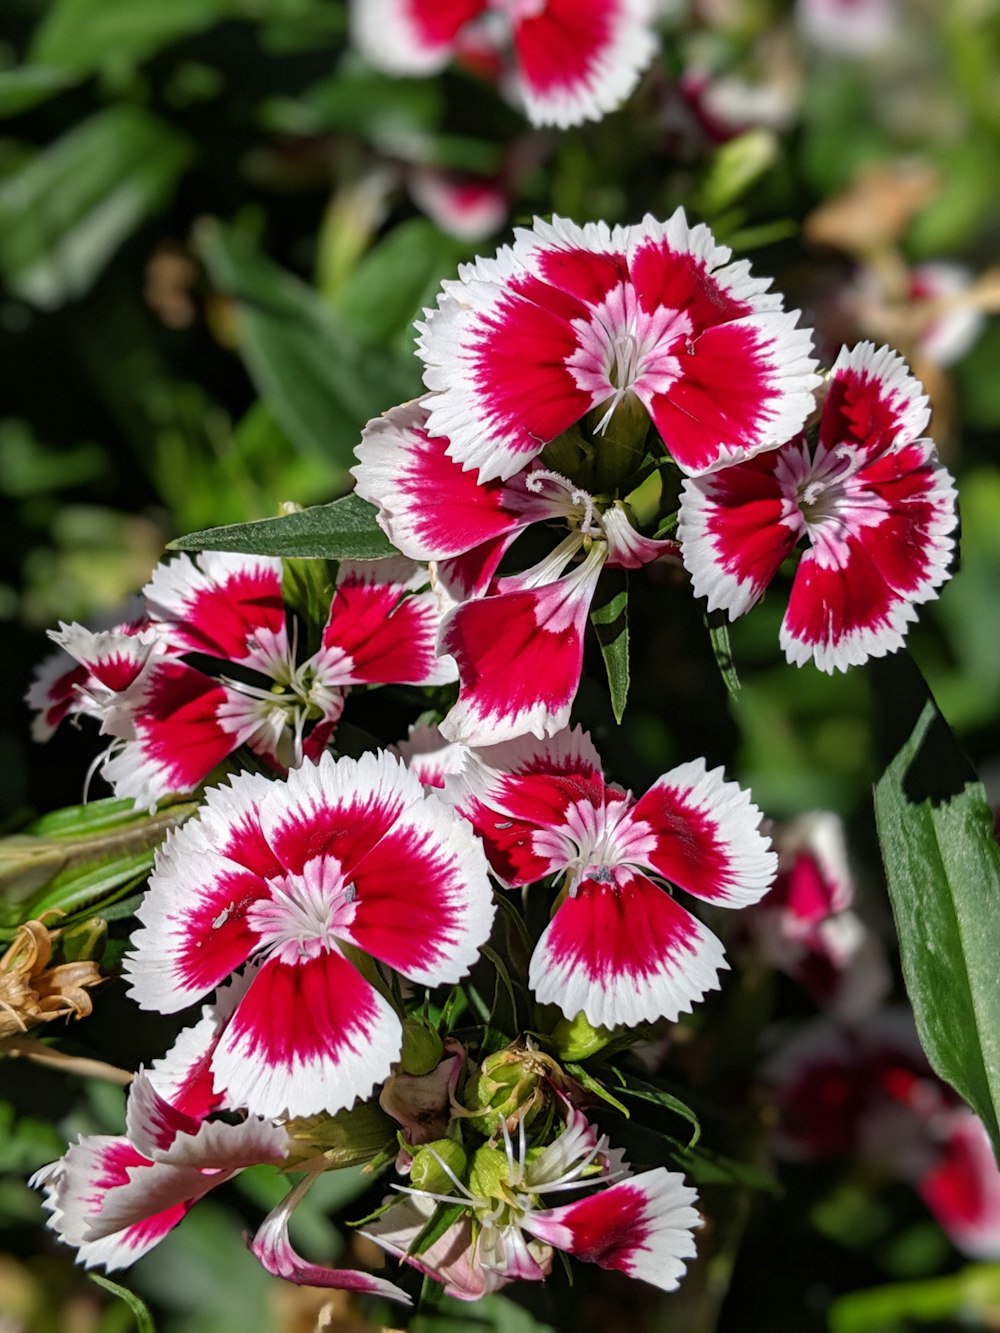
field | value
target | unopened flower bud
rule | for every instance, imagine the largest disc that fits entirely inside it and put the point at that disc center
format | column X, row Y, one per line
column 577, row 1039
column 489, row 1173
column 346, row 1139
column 621, row 445
column 422, row 1047
column 429, row 1162
column 512, row 1084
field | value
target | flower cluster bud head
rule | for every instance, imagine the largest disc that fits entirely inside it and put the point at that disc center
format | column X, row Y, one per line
column 512, row 1085
column 578, row 1039
column 422, row 1047
column 432, row 1164
column 349, row 1138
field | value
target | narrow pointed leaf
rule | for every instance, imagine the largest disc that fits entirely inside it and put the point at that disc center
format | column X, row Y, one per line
column 718, row 633
column 140, row 1311
column 942, row 867
column 610, row 619
column 344, row 530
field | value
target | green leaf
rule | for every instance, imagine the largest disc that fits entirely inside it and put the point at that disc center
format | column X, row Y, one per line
column 72, row 864
column 594, row 1085
column 87, row 35
column 490, row 1314
column 718, row 633
column 632, row 1086
column 610, row 618
column 65, row 212
column 344, row 530
column 964, row 1299
column 397, row 279
column 436, row 1225
column 711, row 1168
column 143, row 1319
column 318, row 379
column 23, row 88
column 942, row 866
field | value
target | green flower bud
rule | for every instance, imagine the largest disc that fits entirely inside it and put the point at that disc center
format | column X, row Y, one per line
column 427, row 1173
column 512, row 1084
column 422, row 1047
column 488, row 1176
column 345, row 1139
column 577, row 1039
column 620, row 448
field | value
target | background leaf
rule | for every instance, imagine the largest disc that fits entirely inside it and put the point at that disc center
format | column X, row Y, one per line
column 65, row 212
column 320, row 382
column 84, row 35
column 942, row 866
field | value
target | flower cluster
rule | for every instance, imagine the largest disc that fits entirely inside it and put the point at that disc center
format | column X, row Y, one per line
column 598, row 399
column 210, row 664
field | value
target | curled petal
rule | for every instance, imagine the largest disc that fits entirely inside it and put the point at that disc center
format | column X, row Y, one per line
column 451, row 1260
column 272, row 1247
column 58, row 691
column 110, row 1203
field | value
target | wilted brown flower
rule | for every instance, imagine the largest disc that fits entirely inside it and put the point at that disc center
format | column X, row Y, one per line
column 31, row 992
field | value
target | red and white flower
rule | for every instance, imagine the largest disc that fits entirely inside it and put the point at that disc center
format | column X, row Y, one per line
column 517, row 641
column 569, row 319
column 619, row 948
column 575, row 60
column 962, row 1189
column 96, row 673
column 872, row 504
column 115, row 1197
column 640, row 1225
column 288, row 873
column 217, row 668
